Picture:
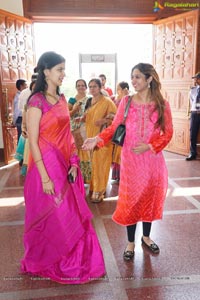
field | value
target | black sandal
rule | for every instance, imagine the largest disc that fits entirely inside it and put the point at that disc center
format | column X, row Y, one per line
column 153, row 247
column 128, row 255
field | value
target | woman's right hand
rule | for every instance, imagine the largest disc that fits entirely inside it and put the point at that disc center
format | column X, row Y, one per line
column 48, row 187
column 90, row 143
column 76, row 107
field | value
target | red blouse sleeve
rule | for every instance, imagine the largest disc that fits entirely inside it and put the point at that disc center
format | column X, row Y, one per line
column 36, row 101
column 159, row 139
column 107, row 133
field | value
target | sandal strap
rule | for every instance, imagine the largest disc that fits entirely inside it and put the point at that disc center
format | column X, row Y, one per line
column 128, row 252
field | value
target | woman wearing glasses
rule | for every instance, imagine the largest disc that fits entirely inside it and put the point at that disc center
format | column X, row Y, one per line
column 99, row 115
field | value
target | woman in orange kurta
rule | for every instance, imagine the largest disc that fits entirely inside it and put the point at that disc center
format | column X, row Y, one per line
column 143, row 182
column 99, row 114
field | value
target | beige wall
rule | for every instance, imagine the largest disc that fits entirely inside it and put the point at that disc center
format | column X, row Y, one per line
column 12, row 6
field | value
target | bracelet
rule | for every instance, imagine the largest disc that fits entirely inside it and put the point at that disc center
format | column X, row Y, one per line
column 46, row 181
column 38, row 161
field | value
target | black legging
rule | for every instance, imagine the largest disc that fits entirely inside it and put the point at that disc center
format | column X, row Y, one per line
column 131, row 231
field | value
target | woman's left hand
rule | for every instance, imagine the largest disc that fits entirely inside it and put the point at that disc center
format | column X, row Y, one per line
column 73, row 171
column 140, row 148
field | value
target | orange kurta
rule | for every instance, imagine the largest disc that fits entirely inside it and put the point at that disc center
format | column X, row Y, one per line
column 101, row 158
column 143, row 177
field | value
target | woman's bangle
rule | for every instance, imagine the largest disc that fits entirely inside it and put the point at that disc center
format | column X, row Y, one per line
column 46, row 181
column 38, row 161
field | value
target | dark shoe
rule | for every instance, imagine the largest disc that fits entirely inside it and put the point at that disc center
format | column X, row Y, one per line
column 191, row 157
column 153, row 247
column 128, row 255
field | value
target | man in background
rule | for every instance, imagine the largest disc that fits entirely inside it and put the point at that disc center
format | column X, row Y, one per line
column 195, row 116
column 102, row 77
column 24, row 95
column 17, row 113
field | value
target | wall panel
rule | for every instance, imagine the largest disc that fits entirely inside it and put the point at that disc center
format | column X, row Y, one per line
column 176, row 58
column 17, row 60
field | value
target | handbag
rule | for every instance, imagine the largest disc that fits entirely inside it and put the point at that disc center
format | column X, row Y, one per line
column 120, row 132
column 79, row 135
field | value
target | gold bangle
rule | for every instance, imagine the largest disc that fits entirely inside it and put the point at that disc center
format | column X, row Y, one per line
column 46, row 181
column 38, row 161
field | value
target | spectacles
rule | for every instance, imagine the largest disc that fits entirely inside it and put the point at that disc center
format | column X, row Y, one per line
column 93, row 86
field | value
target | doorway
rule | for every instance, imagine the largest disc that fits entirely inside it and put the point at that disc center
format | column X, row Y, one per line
column 132, row 43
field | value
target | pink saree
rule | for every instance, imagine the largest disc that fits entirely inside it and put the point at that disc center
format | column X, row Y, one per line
column 60, row 242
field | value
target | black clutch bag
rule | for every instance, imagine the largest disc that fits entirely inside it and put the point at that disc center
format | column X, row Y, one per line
column 120, row 132
column 119, row 135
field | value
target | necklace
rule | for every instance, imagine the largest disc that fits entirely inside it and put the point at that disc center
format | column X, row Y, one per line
column 143, row 99
column 52, row 96
column 94, row 100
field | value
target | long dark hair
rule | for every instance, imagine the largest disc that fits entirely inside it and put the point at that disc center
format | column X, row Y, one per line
column 47, row 60
column 155, row 89
column 124, row 85
column 97, row 81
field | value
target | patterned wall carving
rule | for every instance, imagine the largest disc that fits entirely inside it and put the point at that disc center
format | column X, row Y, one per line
column 17, row 60
column 175, row 59
column 16, row 49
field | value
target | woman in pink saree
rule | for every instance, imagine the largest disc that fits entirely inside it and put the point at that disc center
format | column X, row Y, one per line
column 60, row 242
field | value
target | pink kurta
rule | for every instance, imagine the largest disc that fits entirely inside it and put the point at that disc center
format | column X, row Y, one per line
column 144, row 177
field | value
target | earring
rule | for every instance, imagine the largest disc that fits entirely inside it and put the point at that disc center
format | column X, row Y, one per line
column 149, row 85
column 46, row 78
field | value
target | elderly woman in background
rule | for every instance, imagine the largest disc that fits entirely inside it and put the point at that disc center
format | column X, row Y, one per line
column 76, row 107
column 99, row 115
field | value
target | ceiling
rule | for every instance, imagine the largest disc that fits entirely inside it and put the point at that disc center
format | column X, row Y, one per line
column 105, row 11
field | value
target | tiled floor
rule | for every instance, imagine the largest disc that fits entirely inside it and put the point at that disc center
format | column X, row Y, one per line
column 173, row 274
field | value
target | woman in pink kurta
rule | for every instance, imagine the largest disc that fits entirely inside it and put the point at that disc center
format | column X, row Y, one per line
column 144, row 177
